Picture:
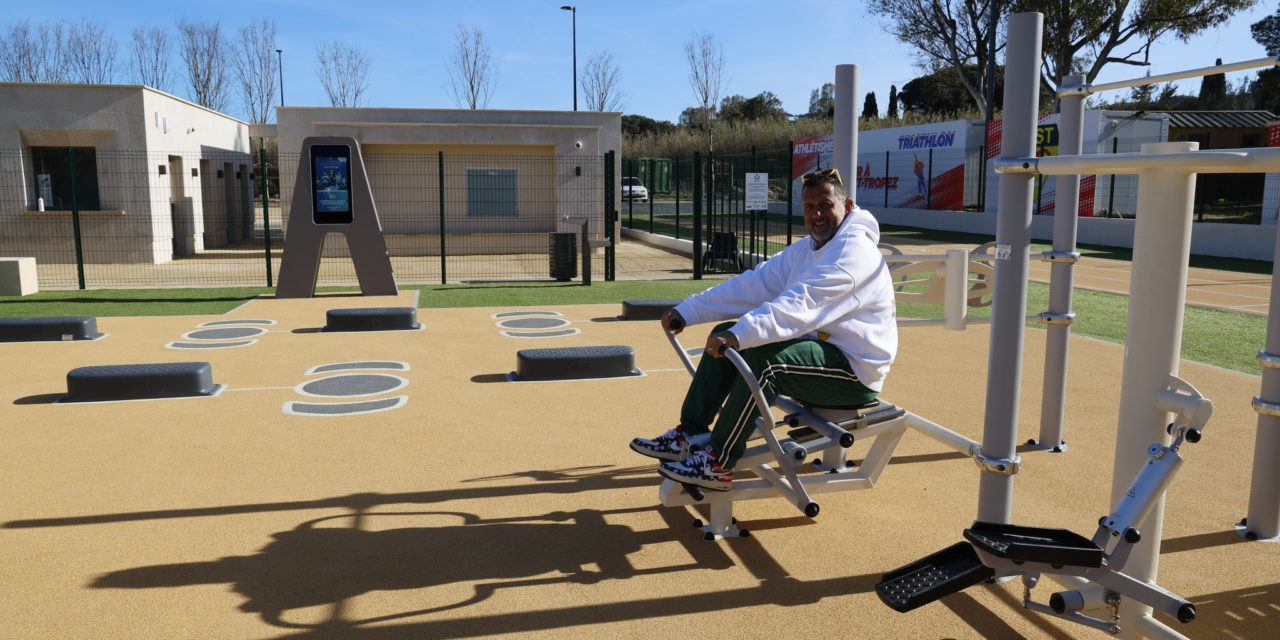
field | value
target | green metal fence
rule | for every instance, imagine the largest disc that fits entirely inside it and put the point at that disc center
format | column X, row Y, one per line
column 706, row 204
column 97, row 218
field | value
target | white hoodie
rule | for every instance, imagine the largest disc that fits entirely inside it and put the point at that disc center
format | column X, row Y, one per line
column 842, row 290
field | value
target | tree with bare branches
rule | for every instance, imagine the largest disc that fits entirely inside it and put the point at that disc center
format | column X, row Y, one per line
column 34, row 55
column 947, row 34
column 472, row 72
column 602, row 84
column 706, row 76
column 149, row 58
column 344, row 72
column 255, row 63
column 91, row 52
column 204, row 54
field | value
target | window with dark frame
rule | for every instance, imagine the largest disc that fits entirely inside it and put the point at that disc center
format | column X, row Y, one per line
column 51, row 177
column 492, row 192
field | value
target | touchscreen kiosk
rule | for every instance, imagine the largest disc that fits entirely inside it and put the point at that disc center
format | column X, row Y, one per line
column 332, row 169
column 331, row 184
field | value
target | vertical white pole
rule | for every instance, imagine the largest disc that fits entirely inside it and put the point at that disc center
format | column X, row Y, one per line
column 1153, row 342
column 1263, row 516
column 1013, row 248
column 845, row 154
column 955, row 307
column 1066, row 206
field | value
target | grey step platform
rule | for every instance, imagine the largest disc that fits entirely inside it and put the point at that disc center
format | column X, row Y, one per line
column 372, row 319
column 933, row 577
column 57, row 328
column 575, row 363
column 139, row 381
column 651, row 309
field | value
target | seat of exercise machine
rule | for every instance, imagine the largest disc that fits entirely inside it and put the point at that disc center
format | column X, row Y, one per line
column 932, row 577
column 1035, row 544
column 879, row 412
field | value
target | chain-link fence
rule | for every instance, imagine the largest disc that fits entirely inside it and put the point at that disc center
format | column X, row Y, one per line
column 102, row 219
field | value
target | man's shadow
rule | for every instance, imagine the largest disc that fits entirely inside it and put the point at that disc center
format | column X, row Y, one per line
column 326, row 561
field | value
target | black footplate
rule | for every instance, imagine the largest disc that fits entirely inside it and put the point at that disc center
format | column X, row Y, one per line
column 876, row 413
column 937, row 575
column 1035, row 544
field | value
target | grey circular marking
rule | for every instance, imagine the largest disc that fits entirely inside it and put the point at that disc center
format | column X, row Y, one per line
column 533, row 323
column 555, row 333
column 351, row 385
column 225, row 333
column 209, row 345
column 348, row 366
column 223, row 323
column 344, row 408
column 517, row 314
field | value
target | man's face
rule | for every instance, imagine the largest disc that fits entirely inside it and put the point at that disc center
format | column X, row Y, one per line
column 824, row 210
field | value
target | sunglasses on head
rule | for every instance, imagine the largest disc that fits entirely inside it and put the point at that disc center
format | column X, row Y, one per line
column 831, row 175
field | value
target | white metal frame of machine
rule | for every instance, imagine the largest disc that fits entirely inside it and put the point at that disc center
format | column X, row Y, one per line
column 1150, row 390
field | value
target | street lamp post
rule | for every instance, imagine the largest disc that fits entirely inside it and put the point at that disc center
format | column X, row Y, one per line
column 574, row 10
column 280, row 55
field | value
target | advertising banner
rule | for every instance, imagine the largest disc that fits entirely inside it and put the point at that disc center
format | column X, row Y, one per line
column 916, row 167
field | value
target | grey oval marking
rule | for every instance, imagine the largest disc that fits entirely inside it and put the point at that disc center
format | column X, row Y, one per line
column 533, row 323
column 556, row 333
column 227, row 333
column 348, row 366
column 223, row 323
column 344, row 408
column 351, row 385
column 209, row 345
column 517, row 314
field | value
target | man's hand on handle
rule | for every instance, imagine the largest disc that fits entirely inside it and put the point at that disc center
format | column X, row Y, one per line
column 717, row 342
column 672, row 321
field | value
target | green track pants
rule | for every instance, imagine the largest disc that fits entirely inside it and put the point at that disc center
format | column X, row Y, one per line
column 809, row 371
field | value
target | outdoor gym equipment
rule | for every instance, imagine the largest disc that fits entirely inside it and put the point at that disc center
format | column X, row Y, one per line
column 1091, row 569
column 781, row 464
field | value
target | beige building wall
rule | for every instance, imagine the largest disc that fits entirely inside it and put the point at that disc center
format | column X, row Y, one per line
column 134, row 130
column 557, row 156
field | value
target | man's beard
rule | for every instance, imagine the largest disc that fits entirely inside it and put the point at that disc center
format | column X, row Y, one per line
column 822, row 238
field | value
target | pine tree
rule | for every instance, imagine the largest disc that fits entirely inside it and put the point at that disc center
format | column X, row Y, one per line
column 869, row 108
column 892, row 111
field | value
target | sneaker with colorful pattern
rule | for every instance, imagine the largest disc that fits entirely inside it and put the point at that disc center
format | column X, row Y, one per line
column 700, row 469
column 671, row 445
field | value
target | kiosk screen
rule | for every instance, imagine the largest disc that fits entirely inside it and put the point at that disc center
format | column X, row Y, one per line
column 331, row 184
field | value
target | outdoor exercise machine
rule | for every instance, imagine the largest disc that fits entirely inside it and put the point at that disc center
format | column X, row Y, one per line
column 1122, row 578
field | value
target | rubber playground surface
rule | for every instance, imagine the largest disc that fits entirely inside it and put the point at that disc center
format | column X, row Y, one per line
column 466, row 505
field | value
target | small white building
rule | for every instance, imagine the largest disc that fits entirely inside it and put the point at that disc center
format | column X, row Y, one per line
column 152, row 176
column 509, row 177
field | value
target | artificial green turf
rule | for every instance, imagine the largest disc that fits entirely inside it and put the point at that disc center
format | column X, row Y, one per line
column 127, row 302
column 1223, row 338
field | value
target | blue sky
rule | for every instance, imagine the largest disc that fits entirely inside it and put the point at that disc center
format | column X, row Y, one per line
column 783, row 47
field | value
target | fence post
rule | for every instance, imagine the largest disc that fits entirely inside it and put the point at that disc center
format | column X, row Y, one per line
column 75, row 217
column 266, row 216
column 791, row 180
column 653, row 183
column 440, row 171
column 610, row 217
column 928, row 185
column 886, row 179
column 677, row 179
column 697, row 216
column 1111, row 192
column 586, row 252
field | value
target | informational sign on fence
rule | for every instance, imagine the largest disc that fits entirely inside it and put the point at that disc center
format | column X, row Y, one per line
column 757, row 192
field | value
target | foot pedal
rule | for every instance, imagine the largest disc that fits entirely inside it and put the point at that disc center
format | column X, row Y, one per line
column 1035, row 544
column 932, row 577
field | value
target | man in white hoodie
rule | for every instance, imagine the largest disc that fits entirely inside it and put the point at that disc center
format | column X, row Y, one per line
column 815, row 322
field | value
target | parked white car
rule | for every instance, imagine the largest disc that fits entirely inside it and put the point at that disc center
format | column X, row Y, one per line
column 633, row 189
